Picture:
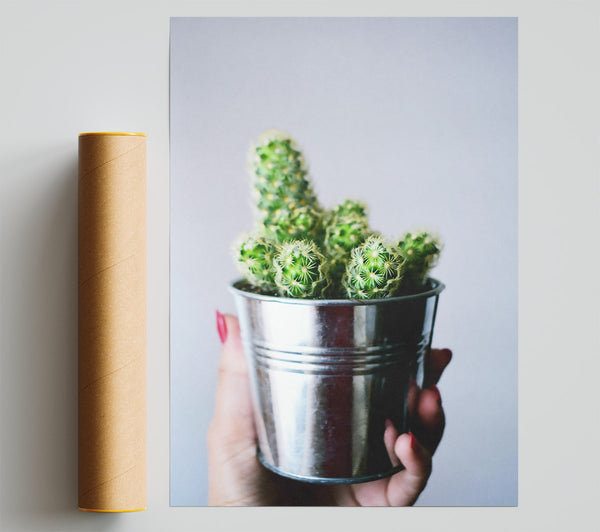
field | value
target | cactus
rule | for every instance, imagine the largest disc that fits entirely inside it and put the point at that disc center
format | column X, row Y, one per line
column 350, row 207
column 255, row 261
column 421, row 250
column 296, row 224
column 280, row 174
column 346, row 226
column 342, row 234
column 374, row 270
column 300, row 270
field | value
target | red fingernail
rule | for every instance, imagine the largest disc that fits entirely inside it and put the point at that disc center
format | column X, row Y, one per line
column 413, row 441
column 436, row 390
column 221, row 327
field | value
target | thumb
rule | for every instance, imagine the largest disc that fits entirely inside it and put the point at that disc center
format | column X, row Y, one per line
column 233, row 418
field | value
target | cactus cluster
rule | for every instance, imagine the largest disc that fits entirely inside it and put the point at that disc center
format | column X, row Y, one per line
column 301, row 250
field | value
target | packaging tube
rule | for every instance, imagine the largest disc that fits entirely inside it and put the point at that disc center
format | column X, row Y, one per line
column 112, row 322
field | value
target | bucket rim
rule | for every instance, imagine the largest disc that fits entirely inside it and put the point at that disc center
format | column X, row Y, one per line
column 437, row 288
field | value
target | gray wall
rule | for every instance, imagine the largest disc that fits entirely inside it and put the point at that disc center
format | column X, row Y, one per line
column 109, row 71
column 416, row 116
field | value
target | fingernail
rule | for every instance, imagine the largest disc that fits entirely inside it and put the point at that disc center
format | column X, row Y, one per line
column 436, row 390
column 447, row 353
column 388, row 424
column 221, row 327
column 414, row 444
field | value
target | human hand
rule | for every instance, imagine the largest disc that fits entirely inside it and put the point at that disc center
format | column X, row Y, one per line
column 236, row 477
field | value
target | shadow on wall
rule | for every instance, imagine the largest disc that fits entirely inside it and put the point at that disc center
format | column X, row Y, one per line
column 39, row 353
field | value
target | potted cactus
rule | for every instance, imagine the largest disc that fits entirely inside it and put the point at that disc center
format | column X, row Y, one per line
column 336, row 322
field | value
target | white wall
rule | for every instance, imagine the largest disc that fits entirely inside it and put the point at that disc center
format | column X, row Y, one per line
column 75, row 66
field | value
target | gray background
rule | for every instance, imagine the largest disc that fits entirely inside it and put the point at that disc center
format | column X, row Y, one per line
column 82, row 66
column 416, row 116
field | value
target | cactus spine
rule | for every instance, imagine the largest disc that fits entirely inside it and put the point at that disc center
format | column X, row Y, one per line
column 374, row 270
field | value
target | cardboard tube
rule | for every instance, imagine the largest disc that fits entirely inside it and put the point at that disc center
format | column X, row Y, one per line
column 112, row 322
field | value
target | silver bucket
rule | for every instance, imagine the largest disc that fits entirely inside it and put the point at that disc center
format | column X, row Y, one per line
column 327, row 374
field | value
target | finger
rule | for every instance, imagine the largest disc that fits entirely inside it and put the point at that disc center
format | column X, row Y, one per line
column 430, row 422
column 390, row 436
column 405, row 487
column 233, row 418
column 232, row 350
column 438, row 360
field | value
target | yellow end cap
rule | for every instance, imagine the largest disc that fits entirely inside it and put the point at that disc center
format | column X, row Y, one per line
column 118, row 133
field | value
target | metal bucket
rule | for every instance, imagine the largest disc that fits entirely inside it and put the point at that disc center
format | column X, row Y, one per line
column 327, row 374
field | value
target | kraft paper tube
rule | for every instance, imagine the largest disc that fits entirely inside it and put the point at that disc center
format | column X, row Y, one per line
column 112, row 322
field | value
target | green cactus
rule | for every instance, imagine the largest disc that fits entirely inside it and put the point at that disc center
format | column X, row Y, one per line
column 346, row 226
column 345, row 233
column 300, row 270
column 421, row 250
column 280, row 174
column 341, row 235
column 293, row 224
column 350, row 207
column 255, row 261
column 374, row 270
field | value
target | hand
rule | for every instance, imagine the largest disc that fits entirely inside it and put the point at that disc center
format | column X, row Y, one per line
column 236, row 478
